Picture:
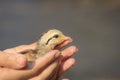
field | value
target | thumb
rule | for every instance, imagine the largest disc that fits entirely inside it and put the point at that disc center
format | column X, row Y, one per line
column 12, row 60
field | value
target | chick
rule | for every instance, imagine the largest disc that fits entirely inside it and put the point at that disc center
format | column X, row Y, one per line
column 46, row 43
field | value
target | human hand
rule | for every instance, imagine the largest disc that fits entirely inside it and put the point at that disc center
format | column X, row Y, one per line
column 37, row 67
column 66, row 63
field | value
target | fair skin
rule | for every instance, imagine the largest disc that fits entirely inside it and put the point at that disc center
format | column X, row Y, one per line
column 14, row 66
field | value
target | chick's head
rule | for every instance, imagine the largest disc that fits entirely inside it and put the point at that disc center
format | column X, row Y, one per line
column 52, row 38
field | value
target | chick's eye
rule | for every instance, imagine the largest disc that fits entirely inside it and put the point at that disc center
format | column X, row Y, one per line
column 56, row 36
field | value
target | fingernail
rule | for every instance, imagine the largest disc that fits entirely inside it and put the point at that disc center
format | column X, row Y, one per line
column 74, row 49
column 72, row 62
column 21, row 60
column 69, row 38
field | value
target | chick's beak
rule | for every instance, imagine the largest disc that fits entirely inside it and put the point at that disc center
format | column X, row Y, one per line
column 63, row 38
column 64, row 41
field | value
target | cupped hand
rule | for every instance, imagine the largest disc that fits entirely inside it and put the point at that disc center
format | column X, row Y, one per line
column 32, row 69
column 42, row 69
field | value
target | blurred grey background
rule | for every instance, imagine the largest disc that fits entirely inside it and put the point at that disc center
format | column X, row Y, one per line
column 94, row 26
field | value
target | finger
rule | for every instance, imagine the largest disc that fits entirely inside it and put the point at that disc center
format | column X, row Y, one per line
column 66, row 65
column 47, row 59
column 69, row 52
column 22, row 48
column 14, row 61
column 39, row 66
column 67, row 41
column 48, row 73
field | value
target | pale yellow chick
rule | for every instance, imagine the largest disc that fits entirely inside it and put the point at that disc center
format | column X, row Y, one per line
column 47, row 42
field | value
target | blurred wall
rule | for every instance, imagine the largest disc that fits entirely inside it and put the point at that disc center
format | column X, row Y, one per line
column 94, row 26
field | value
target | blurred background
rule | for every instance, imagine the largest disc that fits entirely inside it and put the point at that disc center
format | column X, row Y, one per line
column 94, row 26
